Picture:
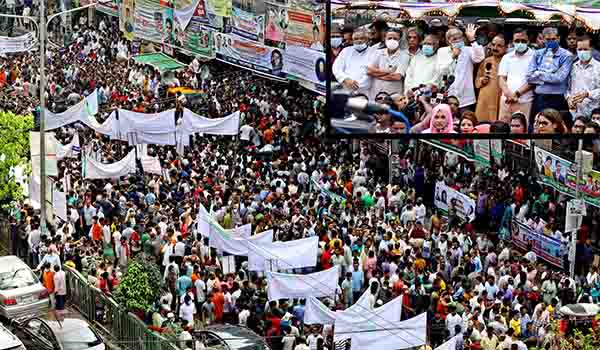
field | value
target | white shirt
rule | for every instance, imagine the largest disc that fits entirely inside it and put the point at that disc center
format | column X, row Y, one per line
column 245, row 132
column 200, row 290
column 186, row 312
column 396, row 62
column 462, row 87
column 585, row 78
column 422, row 70
column 514, row 67
column 179, row 249
column 452, row 321
column 243, row 317
column 351, row 64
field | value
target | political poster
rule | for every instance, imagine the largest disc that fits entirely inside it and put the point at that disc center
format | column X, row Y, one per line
column 306, row 64
column 149, row 20
column 276, row 25
column 561, row 175
column 21, row 43
column 166, row 23
column 482, row 151
column 187, row 10
column 248, row 19
column 220, row 8
column 127, row 19
column 249, row 54
column 306, row 25
column 545, row 247
column 110, row 8
column 446, row 196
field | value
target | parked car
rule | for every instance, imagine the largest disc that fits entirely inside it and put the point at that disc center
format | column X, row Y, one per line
column 21, row 292
column 9, row 341
column 230, row 338
column 67, row 334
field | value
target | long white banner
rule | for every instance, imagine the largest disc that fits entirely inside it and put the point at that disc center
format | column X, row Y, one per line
column 348, row 322
column 51, row 150
column 306, row 64
column 93, row 169
column 289, row 286
column 283, row 255
column 21, row 43
column 464, row 205
column 396, row 335
column 233, row 244
column 315, row 312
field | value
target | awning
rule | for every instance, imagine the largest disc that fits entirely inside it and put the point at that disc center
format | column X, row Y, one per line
column 585, row 11
column 159, row 61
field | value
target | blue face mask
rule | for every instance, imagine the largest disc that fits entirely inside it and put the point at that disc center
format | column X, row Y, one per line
column 336, row 42
column 428, row 50
column 458, row 45
column 520, row 47
column 552, row 44
column 584, row 55
column 360, row 47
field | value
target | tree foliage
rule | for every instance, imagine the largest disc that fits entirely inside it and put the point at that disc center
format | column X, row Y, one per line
column 140, row 286
column 14, row 151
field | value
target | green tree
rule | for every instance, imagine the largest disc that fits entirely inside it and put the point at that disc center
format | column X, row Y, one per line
column 140, row 286
column 14, row 151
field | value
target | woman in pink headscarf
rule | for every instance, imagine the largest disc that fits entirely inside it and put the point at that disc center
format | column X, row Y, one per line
column 441, row 121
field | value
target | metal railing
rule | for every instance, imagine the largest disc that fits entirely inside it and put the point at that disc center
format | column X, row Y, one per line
column 127, row 330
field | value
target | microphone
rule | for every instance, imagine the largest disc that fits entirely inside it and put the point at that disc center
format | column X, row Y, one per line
column 363, row 106
column 488, row 66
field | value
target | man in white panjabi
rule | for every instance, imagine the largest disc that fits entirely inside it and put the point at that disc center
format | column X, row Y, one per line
column 387, row 67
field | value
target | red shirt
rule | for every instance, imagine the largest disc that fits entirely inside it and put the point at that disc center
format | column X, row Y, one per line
column 326, row 260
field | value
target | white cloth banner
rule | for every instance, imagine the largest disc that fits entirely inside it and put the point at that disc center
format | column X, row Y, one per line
column 146, row 128
column 284, row 255
column 237, row 245
column 93, row 169
column 450, row 344
column 290, row 286
column 151, row 165
column 204, row 221
column 59, row 204
column 362, row 304
column 315, row 312
column 305, row 63
column 464, row 205
column 349, row 321
column 193, row 123
column 21, row 43
column 244, row 231
column 70, row 150
column 51, row 150
column 79, row 112
column 406, row 334
column 183, row 16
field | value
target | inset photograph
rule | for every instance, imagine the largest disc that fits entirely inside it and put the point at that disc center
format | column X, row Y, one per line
column 423, row 68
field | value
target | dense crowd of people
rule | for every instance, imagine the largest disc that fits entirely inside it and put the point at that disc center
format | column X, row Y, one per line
column 387, row 238
column 470, row 79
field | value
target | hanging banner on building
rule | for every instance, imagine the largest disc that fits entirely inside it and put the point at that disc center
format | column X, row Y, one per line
column 482, row 151
column 127, row 19
column 306, row 25
column 185, row 10
column 148, row 20
column 276, row 26
column 248, row 54
column 165, row 20
column 547, row 248
column 561, row 175
column 110, row 8
column 305, row 64
column 248, row 19
column 446, row 196
column 220, row 7
column 21, row 43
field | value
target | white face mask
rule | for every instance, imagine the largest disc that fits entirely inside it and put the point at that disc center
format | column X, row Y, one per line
column 392, row 44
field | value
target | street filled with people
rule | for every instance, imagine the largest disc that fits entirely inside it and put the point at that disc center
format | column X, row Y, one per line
column 452, row 77
column 385, row 235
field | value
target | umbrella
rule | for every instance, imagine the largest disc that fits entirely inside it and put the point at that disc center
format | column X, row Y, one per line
column 580, row 310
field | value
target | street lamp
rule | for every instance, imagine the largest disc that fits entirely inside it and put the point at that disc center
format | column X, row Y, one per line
column 42, row 27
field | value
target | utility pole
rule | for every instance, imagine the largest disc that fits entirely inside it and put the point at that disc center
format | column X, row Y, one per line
column 573, row 245
column 42, row 36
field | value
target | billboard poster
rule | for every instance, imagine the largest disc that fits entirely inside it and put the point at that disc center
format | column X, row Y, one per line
column 127, row 19
column 306, row 64
column 561, row 175
column 149, row 20
column 306, row 26
column 446, row 196
column 545, row 247
column 276, row 26
column 110, row 8
column 249, row 54
column 187, row 10
column 248, row 19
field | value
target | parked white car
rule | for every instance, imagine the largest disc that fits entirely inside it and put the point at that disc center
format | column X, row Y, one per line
column 21, row 292
column 9, row 341
column 67, row 334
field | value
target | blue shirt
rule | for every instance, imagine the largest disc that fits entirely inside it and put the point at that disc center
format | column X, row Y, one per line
column 299, row 312
column 550, row 73
column 357, row 280
column 183, row 282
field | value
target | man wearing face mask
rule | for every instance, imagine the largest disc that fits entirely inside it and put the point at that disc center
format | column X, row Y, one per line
column 336, row 42
column 516, row 92
column 549, row 72
column 457, row 61
column 350, row 67
column 583, row 94
column 387, row 67
column 423, row 67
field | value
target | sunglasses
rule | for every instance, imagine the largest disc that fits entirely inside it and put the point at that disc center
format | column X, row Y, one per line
column 542, row 123
column 520, row 41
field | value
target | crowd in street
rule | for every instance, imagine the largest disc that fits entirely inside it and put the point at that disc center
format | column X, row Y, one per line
column 458, row 78
column 387, row 239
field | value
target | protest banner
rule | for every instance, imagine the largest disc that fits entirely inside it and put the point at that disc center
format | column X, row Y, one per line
column 305, row 64
column 445, row 196
column 248, row 19
column 561, row 175
column 249, row 54
column 545, row 247
column 276, row 25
